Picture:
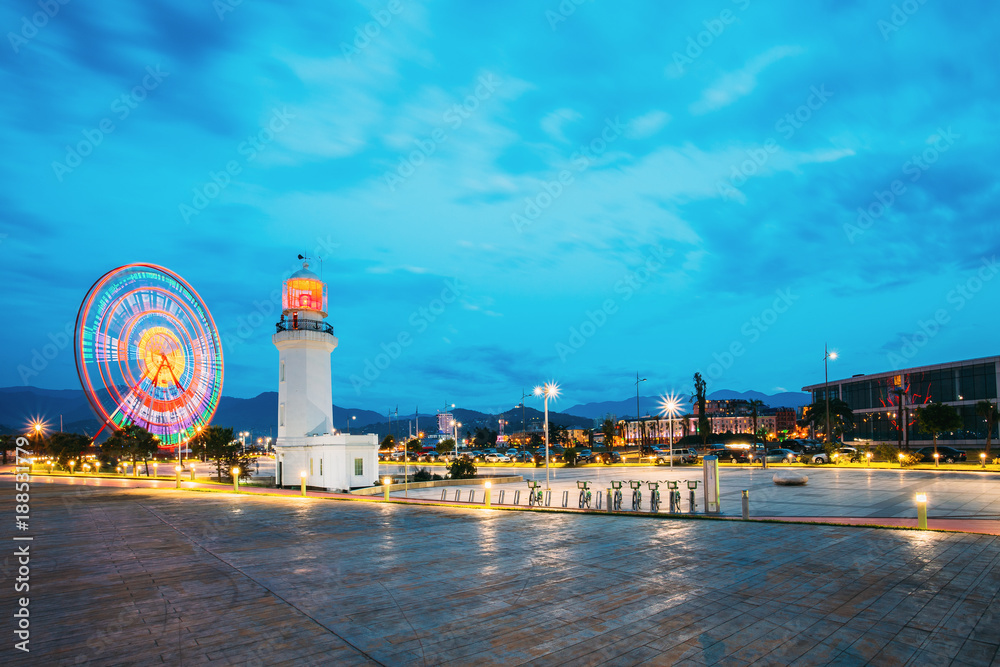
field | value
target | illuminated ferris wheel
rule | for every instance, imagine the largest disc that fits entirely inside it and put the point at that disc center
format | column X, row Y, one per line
column 148, row 353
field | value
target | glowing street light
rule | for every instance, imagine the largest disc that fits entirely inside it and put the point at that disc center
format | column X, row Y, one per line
column 827, row 355
column 236, row 478
column 547, row 391
column 670, row 405
column 868, row 455
column 922, row 511
column 303, row 475
column 177, row 472
column 982, row 460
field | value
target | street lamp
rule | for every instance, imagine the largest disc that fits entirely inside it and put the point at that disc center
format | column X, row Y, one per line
column 670, row 405
column 637, row 381
column 827, row 355
column 547, row 391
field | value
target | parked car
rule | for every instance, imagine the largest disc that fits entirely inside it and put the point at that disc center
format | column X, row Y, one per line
column 494, row 457
column 512, row 453
column 584, row 456
column 396, row 456
column 446, row 457
column 608, row 457
column 775, row 456
column 478, row 455
column 731, row 455
column 428, row 455
column 849, row 453
column 523, row 457
column 946, row 454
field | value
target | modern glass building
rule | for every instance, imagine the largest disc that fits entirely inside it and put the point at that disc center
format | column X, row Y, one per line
column 883, row 400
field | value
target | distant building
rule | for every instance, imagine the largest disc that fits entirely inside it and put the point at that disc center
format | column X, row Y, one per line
column 882, row 401
column 445, row 423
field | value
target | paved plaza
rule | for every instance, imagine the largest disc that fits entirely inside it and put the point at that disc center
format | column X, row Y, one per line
column 157, row 576
column 831, row 491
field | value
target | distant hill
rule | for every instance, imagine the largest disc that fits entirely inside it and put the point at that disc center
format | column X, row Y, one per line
column 19, row 405
column 625, row 408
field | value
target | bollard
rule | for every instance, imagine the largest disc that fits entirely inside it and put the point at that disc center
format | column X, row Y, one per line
column 500, row 498
column 922, row 511
column 548, row 498
column 192, row 472
column 565, row 498
column 444, row 494
column 472, row 495
column 458, row 495
column 517, row 497
column 598, row 506
column 304, row 474
column 746, row 504
column 236, row 479
column 177, row 469
column 386, row 485
column 488, row 492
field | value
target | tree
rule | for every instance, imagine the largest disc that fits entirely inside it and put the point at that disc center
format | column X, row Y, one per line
column 7, row 444
column 217, row 443
column 704, row 426
column 936, row 418
column 569, row 456
column 985, row 409
column 132, row 443
column 558, row 435
column 840, row 415
column 609, row 430
column 66, row 446
column 536, row 440
column 462, row 468
column 414, row 445
column 446, row 445
column 388, row 442
column 484, row 437
column 755, row 405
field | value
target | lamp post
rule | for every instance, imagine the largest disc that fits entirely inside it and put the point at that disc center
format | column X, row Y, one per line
column 236, row 478
column 827, row 355
column 549, row 390
column 637, row 381
column 177, row 472
column 670, row 405
column 71, row 464
column 303, row 476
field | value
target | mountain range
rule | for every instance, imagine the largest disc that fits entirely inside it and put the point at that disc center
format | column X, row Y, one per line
column 20, row 405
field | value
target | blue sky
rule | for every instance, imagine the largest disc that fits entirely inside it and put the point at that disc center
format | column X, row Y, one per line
column 664, row 188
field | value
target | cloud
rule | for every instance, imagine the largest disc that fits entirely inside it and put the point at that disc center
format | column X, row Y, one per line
column 552, row 124
column 648, row 124
column 740, row 83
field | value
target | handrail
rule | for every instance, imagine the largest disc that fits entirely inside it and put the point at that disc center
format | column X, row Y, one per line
column 304, row 325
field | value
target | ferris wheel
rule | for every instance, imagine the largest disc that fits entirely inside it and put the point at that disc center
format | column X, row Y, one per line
column 148, row 353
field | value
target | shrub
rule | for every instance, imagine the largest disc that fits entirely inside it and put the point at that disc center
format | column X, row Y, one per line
column 569, row 456
column 463, row 469
column 422, row 475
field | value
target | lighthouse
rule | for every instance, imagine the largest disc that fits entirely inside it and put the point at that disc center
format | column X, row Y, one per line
column 307, row 443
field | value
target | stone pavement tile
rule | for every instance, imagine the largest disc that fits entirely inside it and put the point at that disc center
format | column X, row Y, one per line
column 977, row 653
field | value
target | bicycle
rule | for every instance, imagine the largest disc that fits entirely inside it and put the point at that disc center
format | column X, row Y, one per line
column 616, row 499
column 654, row 496
column 636, row 495
column 534, row 494
column 585, row 494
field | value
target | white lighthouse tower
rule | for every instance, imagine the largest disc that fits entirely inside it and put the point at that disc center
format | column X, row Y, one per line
column 307, row 442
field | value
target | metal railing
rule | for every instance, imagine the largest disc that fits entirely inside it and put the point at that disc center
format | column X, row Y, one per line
column 304, row 325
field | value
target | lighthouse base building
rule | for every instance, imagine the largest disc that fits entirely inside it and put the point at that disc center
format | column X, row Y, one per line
column 307, row 445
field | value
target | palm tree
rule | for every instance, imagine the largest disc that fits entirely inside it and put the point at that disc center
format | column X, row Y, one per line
column 988, row 411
